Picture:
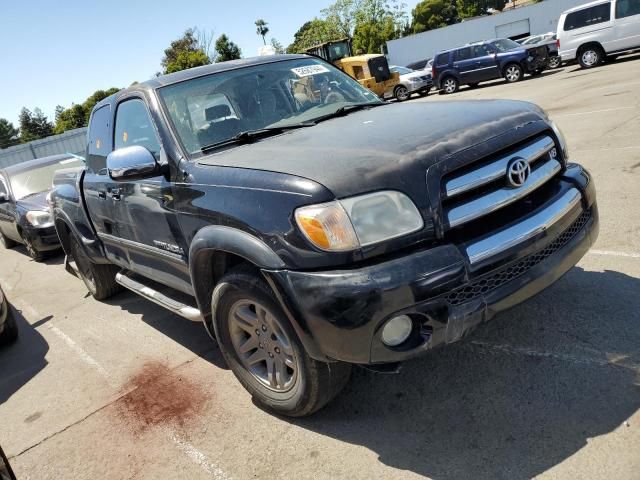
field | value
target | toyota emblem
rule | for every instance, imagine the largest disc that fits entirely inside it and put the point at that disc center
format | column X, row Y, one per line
column 518, row 172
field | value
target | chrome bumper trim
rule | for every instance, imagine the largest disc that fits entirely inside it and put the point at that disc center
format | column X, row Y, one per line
column 529, row 228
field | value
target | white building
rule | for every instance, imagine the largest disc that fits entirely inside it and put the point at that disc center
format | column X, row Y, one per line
column 531, row 20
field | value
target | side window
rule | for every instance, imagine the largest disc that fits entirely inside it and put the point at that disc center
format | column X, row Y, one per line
column 588, row 16
column 134, row 127
column 627, row 8
column 442, row 59
column 462, row 54
column 99, row 140
column 482, row 51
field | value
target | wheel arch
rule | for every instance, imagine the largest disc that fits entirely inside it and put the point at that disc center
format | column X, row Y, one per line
column 215, row 250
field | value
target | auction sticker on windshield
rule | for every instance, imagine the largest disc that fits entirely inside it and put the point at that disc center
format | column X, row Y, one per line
column 309, row 70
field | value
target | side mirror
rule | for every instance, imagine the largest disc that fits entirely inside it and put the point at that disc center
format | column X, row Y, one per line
column 132, row 163
column 4, row 198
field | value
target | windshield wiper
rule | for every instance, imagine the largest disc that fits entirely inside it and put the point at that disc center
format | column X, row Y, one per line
column 248, row 136
column 345, row 109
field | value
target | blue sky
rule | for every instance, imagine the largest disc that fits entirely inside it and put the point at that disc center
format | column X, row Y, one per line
column 57, row 53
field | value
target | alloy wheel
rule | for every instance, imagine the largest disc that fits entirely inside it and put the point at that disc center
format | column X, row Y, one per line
column 402, row 93
column 450, row 85
column 554, row 62
column 263, row 347
column 513, row 73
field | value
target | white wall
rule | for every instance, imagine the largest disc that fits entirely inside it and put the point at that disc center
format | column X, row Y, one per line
column 542, row 17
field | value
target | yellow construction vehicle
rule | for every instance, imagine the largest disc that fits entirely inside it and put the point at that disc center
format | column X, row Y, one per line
column 370, row 70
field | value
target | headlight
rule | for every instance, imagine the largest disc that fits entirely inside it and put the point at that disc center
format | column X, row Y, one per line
column 359, row 221
column 561, row 139
column 40, row 219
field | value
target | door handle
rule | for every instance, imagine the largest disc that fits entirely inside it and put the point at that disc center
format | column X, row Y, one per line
column 116, row 193
column 102, row 194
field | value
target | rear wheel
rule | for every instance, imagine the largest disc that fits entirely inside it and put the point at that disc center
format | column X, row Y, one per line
column 590, row 57
column 401, row 93
column 100, row 280
column 450, row 85
column 513, row 73
column 6, row 241
column 555, row 61
column 264, row 353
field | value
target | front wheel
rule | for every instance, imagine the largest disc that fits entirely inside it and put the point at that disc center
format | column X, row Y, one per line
column 513, row 73
column 590, row 57
column 10, row 332
column 401, row 93
column 264, row 352
column 34, row 253
column 450, row 85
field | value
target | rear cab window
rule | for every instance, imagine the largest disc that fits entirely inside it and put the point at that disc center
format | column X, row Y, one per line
column 588, row 16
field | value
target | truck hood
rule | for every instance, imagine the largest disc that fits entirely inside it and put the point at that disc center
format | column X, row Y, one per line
column 386, row 147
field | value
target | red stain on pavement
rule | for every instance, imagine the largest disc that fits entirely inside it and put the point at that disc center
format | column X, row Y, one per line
column 160, row 396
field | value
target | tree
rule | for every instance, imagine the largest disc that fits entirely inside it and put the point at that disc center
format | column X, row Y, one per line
column 185, row 52
column 33, row 125
column 342, row 14
column 8, row 133
column 312, row 33
column 262, row 29
column 431, row 14
column 77, row 115
column 226, row 49
column 277, row 46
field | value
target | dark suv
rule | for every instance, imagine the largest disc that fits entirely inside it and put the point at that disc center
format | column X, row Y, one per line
column 479, row 62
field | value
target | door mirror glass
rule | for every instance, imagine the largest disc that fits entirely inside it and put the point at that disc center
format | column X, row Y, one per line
column 131, row 163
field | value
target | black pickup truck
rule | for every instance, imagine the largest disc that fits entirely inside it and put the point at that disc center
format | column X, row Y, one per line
column 311, row 229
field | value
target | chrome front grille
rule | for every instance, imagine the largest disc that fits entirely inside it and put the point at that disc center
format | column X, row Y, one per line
column 479, row 191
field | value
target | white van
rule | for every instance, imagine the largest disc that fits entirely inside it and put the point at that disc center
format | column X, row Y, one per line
column 593, row 31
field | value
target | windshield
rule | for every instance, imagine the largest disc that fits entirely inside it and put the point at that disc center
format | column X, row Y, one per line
column 209, row 110
column 39, row 179
column 504, row 44
column 401, row 70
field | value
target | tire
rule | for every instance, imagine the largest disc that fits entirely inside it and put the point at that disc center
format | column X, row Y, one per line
column 590, row 57
column 401, row 93
column 253, row 332
column 35, row 254
column 10, row 332
column 6, row 241
column 100, row 280
column 513, row 73
column 555, row 61
column 450, row 85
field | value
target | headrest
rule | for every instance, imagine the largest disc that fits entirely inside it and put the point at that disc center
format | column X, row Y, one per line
column 219, row 111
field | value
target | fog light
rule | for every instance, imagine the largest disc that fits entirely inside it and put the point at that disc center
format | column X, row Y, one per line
column 396, row 330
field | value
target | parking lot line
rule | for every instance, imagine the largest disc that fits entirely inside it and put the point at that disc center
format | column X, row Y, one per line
column 198, row 457
column 612, row 253
column 594, row 111
column 614, row 360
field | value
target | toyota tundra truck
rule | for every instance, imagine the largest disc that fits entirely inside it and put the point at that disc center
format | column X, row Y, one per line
column 311, row 235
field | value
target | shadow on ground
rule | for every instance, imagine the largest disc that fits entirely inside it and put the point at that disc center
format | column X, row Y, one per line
column 519, row 396
column 23, row 360
column 191, row 335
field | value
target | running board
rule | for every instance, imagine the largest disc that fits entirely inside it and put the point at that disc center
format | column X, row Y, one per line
column 175, row 306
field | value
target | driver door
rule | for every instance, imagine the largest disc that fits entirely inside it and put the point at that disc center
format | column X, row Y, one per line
column 8, row 212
